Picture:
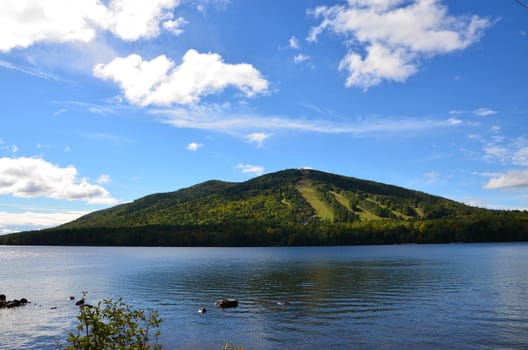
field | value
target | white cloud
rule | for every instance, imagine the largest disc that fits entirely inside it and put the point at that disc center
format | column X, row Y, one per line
column 248, row 168
column 175, row 26
column 258, row 138
column 432, row 174
column 394, row 36
column 476, row 202
column 514, row 179
column 495, row 128
column 103, row 179
column 484, row 112
column 497, row 152
column 12, row 222
column 453, row 121
column 103, row 137
column 133, row 19
column 520, row 157
column 60, row 111
column 514, row 152
column 480, row 112
column 294, row 43
column 222, row 119
column 26, row 22
column 204, row 5
column 45, row 146
column 300, row 58
column 193, row 146
column 160, row 82
column 28, row 71
column 381, row 63
column 33, row 177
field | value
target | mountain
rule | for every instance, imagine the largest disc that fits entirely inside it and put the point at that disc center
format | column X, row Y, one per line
column 290, row 207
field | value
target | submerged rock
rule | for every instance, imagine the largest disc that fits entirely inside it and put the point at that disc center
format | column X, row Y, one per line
column 226, row 303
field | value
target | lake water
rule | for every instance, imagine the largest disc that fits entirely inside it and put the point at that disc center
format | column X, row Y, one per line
column 457, row 296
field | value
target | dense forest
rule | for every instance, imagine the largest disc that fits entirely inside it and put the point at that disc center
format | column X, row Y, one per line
column 290, row 207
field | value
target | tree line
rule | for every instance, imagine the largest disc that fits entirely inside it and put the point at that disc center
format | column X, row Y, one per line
column 499, row 227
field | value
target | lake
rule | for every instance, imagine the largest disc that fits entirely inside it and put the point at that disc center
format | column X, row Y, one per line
column 453, row 296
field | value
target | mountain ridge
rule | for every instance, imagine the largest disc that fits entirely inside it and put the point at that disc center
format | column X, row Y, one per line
column 288, row 207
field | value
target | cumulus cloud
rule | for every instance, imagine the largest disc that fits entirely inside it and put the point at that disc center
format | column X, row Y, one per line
column 12, row 222
column 132, row 20
column 160, row 82
column 175, row 26
column 26, row 22
column 388, row 38
column 33, row 177
column 248, row 169
column 514, row 179
column 193, row 146
column 258, row 138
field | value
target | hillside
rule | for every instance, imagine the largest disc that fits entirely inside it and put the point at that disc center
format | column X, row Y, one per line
column 296, row 206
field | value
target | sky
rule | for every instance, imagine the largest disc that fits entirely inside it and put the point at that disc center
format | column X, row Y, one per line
column 103, row 102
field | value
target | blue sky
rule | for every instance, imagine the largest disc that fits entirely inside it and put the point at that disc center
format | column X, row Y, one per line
column 107, row 101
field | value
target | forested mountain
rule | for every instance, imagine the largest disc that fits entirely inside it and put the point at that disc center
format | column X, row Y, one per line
column 290, row 207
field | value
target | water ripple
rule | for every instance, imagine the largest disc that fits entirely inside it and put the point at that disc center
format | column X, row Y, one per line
column 442, row 297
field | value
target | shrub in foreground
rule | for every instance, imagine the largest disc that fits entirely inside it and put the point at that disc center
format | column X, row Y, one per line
column 114, row 325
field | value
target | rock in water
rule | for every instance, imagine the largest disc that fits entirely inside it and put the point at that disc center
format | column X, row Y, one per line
column 226, row 303
column 4, row 303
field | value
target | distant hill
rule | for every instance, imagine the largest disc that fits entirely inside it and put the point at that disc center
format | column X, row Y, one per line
column 290, row 207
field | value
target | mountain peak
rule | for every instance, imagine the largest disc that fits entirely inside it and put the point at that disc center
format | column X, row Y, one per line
column 292, row 206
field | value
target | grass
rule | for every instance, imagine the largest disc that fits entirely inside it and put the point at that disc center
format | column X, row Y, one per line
column 365, row 215
column 308, row 192
column 341, row 199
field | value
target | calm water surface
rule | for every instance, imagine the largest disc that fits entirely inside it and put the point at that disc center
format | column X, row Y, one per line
column 385, row 297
